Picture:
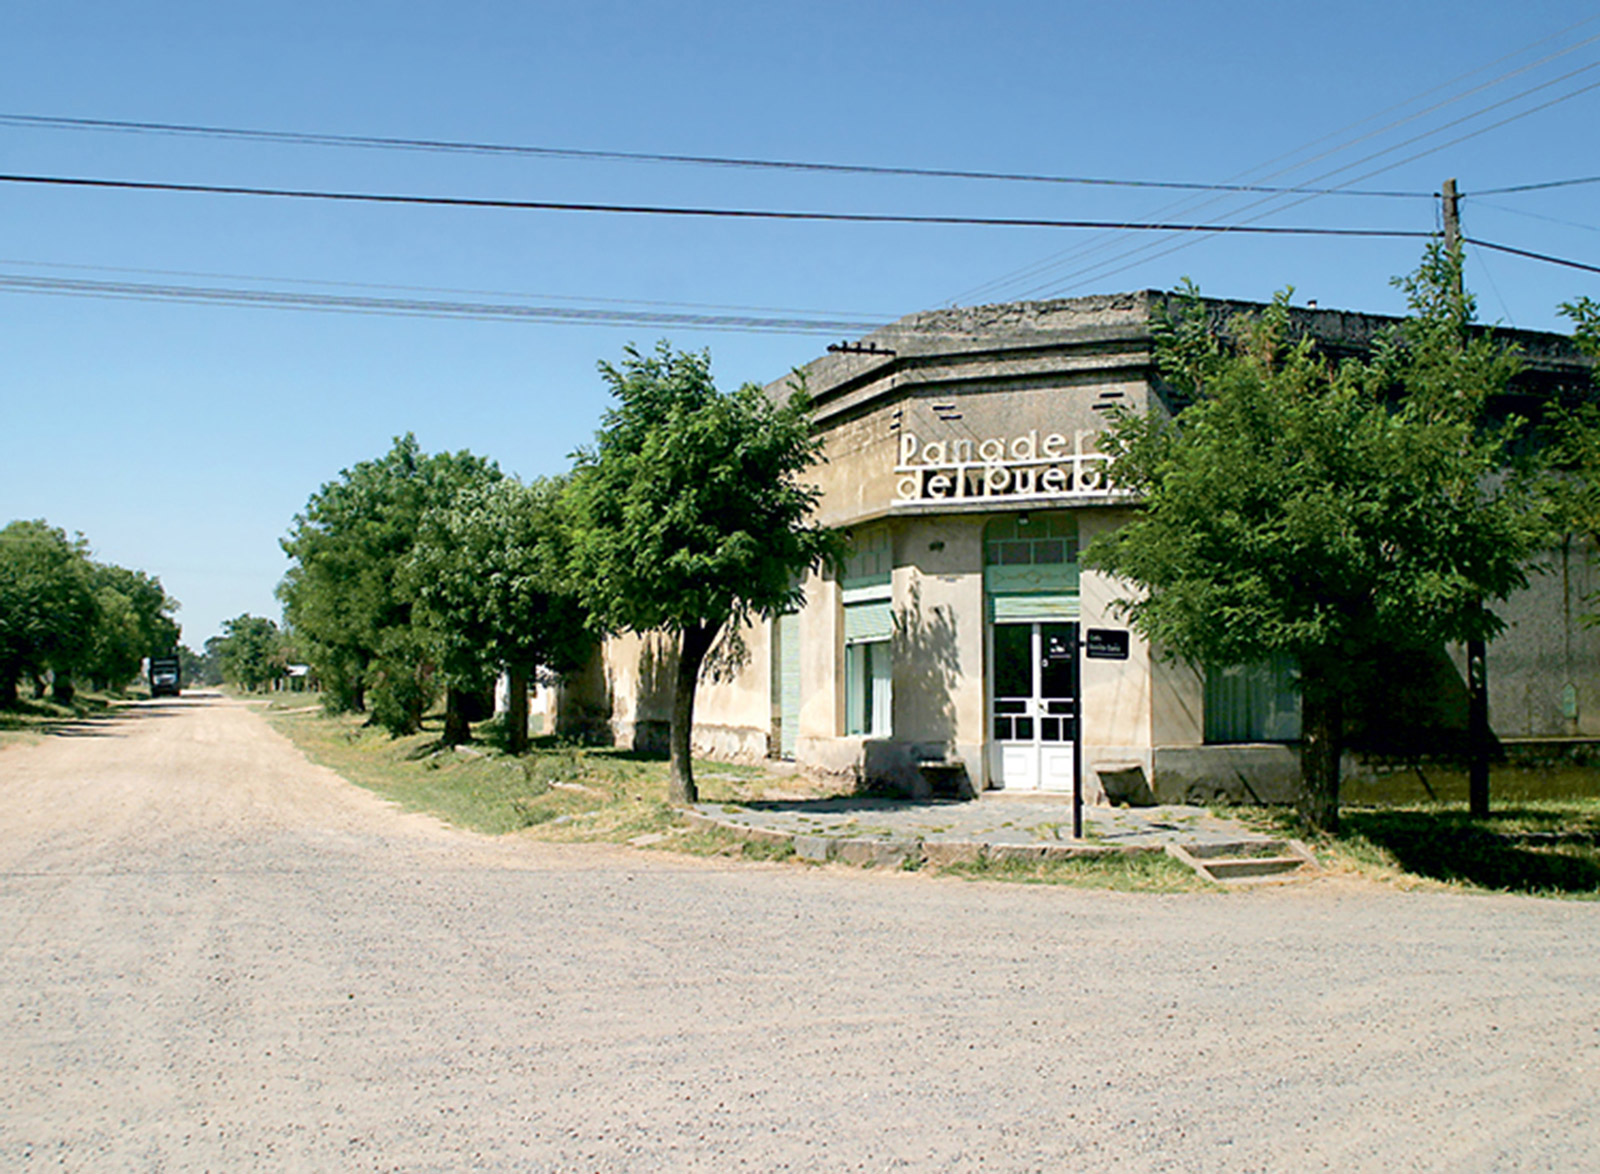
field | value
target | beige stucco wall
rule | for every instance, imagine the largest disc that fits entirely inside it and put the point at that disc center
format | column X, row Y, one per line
column 939, row 640
column 733, row 708
column 1545, row 647
column 1116, row 693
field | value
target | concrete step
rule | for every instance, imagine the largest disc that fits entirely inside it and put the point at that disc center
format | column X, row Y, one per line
column 1246, row 861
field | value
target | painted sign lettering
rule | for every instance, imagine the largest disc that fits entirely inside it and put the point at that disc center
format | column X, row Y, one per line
column 1027, row 466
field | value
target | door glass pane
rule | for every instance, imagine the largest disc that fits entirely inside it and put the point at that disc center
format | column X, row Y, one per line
column 1059, row 651
column 1013, row 660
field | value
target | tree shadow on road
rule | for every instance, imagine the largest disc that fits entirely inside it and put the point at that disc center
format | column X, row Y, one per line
column 90, row 717
column 1554, row 849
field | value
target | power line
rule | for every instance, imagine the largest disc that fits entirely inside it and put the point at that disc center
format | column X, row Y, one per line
column 662, row 210
column 1396, row 163
column 380, row 142
column 1537, row 187
column 1037, row 269
column 1482, row 203
column 1534, row 256
column 424, row 308
column 519, row 295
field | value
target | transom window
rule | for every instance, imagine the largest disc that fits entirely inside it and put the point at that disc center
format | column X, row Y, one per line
column 871, row 560
column 1025, row 540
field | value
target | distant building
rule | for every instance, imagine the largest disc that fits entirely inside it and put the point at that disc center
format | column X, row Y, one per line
column 963, row 459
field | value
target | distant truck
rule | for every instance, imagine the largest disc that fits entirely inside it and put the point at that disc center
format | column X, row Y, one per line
column 165, row 678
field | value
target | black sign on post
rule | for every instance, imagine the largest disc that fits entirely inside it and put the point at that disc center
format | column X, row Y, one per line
column 1106, row 643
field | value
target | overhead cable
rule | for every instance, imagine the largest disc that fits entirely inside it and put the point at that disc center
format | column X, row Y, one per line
column 425, row 308
column 1537, row 187
column 667, row 210
column 1562, row 261
column 380, row 142
column 1101, row 271
column 517, row 295
column 1067, row 257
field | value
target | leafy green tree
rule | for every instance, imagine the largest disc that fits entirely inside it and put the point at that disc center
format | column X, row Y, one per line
column 1576, row 438
column 689, row 515
column 47, row 605
column 134, row 621
column 488, row 572
column 250, row 652
column 345, row 597
column 199, row 668
column 1336, row 514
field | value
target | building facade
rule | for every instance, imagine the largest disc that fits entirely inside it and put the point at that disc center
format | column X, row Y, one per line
column 964, row 646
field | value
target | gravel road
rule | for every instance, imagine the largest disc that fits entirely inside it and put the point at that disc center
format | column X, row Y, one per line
column 216, row 956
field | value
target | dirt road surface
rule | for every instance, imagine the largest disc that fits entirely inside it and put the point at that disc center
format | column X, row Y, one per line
column 216, row 956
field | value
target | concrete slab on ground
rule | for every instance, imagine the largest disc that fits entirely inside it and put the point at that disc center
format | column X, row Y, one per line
column 991, row 821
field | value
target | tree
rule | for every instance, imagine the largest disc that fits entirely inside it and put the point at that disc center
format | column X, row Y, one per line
column 1335, row 514
column 344, row 596
column 1576, row 438
column 488, row 574
column 200, row 668
column 689, row 515
column 47, row 605
column 134, row 621
column 249, row 652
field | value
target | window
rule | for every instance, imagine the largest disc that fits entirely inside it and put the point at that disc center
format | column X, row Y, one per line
column 1253, row 703
column 868, row 633
column 871, row 561
column 1022, row 540
column 868, row 688
column 1031, row 566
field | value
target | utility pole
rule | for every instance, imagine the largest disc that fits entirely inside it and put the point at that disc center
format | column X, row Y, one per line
column 1452, row 223
column 1477, row 653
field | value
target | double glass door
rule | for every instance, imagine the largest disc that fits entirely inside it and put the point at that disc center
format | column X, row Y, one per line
column 1033, row 696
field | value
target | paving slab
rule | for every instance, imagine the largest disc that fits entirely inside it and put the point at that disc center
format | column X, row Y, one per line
column 1020, row 825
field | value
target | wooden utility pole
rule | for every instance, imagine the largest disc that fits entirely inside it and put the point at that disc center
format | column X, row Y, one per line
column 1452, row 222
column 1477, row 652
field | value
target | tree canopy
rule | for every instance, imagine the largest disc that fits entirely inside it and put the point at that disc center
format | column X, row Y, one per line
column 134, row 621
column 489, row 575
column 250, row 653
column 1577, row 438
column 689, row 514
column 1333, row 513
column 47, row 604
column 64, row 614
column 346, row 597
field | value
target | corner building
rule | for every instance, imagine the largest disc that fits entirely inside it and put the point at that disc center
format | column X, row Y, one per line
column 963, row 459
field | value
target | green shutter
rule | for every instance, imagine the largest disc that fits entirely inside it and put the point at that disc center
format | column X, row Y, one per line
column 867, row 623
column 1034, row 607
column 788, row 632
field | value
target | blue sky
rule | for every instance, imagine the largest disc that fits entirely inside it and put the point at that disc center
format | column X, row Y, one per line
column 182, row 439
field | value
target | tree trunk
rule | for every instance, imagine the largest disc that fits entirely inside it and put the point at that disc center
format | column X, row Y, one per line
column 517, row 710
column 1321, row 746
column 8, row 692
column 693, row 644
column 1478, row 728
column 61, row 689
column 457, row 730
column 40, row 687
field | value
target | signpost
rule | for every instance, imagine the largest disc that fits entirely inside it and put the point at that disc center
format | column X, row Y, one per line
column 1098, row 644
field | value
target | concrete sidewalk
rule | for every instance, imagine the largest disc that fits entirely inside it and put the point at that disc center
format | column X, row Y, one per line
column 888, row 831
